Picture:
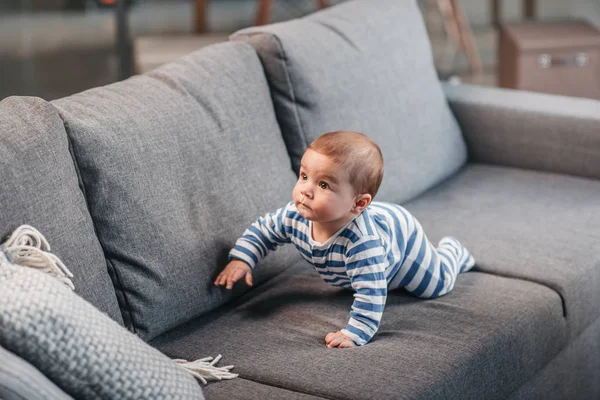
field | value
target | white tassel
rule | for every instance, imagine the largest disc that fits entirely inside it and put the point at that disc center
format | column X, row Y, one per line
column 28, row 247
column 204, row 370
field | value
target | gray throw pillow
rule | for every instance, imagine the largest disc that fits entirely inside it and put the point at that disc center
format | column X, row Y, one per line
column 20, row 380
column 79, row 348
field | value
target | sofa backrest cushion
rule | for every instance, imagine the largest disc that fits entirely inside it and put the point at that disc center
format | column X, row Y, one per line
column 176, row 164
column 39, row 187
column 367, row 66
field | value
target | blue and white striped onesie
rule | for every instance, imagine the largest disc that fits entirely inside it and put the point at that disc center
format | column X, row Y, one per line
column 381, row 249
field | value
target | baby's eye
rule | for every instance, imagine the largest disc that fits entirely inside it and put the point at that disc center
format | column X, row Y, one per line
column 323, row 185
column 303, row 177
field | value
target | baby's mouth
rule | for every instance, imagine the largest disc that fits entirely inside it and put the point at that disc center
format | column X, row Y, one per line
column 301, row 202
column 303, row 205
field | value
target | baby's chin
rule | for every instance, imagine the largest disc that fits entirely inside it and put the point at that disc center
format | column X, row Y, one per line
column 304, row 211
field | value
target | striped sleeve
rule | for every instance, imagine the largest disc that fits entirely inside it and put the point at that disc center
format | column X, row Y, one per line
column 365, row 265
column 264, row 235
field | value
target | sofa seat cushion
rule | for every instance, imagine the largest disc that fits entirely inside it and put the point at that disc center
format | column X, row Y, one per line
column 363, row 65
column 573, row 374
column 541, row 227
column 176, row 164
column 483, row 340
column 39, row 187
column 242, row 389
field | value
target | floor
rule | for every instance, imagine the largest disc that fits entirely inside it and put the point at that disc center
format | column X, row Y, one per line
column 55, row 53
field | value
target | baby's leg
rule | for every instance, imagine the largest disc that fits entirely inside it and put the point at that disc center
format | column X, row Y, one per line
column 430, row 272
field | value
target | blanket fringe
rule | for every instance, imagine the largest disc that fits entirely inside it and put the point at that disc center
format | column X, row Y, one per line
column 27, row 247
column 205, row 370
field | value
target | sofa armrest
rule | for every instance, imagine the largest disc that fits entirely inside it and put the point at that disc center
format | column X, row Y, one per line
column 528, row 130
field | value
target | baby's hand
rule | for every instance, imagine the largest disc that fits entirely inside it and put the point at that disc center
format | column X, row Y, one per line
column 338, row 339
column 233, row 272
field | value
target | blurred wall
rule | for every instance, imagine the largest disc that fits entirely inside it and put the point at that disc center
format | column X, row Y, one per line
column 479, row 11
column 588, row 9
column 34, row 4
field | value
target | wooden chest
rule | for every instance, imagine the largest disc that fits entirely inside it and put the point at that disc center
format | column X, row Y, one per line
column 551, row 57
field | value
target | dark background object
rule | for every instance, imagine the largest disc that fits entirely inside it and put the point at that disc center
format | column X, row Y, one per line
column 559, row 57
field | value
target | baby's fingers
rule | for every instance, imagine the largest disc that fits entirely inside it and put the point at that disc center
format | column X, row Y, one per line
column 329, row 337
column 249, row 279
column 233, row 277
column 346, row 343
column 335, row 341
column 221, row 279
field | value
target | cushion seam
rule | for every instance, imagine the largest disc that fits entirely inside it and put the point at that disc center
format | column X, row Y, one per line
column 524, row 279
column 110, row 268
column 288, row 77
column 491, row 145
column 555, row 356
column 286, row 388
column 467, row 102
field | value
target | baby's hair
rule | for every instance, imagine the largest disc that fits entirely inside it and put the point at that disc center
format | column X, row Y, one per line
column 358, row 154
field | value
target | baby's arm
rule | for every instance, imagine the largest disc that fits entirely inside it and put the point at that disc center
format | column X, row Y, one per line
column 264, row 235
column 365, row 265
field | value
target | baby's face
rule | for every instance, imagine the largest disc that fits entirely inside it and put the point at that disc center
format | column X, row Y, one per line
column 323, row 192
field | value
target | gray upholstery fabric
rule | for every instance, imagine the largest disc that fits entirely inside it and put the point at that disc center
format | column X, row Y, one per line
column 574, row 374
column 536, row 226
column 39, row 187
column 79, row 348
column 363, row 65
column 529, row 130
column 242, row 389
column 20, row 380
column 481, row 341
column 176, row 165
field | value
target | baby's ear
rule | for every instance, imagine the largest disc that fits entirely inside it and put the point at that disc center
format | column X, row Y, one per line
column 361, row 202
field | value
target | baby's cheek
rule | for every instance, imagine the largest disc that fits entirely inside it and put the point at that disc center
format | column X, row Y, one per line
column 295, row 192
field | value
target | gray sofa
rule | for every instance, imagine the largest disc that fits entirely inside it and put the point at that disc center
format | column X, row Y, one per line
column 143, row 186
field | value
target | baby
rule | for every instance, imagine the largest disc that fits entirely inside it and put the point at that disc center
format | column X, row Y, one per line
column 369, row 247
